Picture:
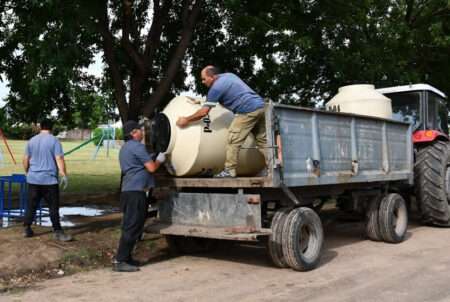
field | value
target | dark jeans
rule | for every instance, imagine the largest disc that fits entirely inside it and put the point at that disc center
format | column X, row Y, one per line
column 51, row 195
column 134, row 206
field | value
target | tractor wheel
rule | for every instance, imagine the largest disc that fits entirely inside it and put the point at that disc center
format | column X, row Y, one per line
column 393, row 218
column 432, row 183
column 275, row 239
column 302, row 239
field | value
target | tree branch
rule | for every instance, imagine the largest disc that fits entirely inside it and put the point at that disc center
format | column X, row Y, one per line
column 108, row 47
column 154, row 34
column 189, row 18
column 125, row 41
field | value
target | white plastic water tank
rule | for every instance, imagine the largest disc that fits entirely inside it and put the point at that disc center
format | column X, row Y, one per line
column 361, row 99
column 194, row 151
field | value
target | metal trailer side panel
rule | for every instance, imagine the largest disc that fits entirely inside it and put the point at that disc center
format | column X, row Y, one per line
column 322, row 148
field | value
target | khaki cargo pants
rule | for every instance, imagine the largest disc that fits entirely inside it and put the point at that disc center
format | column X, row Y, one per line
column 240, row 128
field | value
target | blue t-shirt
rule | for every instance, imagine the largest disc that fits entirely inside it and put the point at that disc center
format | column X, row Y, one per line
column 42, row 149
column 132, row 157
column 232, row 93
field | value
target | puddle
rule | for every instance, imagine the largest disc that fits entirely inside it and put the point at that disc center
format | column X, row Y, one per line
column 69, row 216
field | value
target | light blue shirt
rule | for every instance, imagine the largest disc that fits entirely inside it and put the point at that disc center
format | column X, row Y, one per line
column 132, row 157
column 42, row 149
column 232, row 93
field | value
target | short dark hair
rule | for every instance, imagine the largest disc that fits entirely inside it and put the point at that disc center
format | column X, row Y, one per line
column 46, row 124
column 211, row 70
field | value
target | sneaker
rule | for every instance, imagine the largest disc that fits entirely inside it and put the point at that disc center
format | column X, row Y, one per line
column 61, row 236
column 124, row 267
column 27, row 232
column 134, row 262
column 225, row 173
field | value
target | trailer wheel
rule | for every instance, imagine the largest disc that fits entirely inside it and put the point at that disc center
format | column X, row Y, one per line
column 274, row 244
column 432, row 183
column 189, row 245
column 302, row 239
column 393, row 218
column 372, row 224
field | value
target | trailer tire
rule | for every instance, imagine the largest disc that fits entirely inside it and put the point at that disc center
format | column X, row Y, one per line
column 432, row 183
column 393, row 218
column 302, row 239
column 372, row 220
column 275, row 241
column 189, row 245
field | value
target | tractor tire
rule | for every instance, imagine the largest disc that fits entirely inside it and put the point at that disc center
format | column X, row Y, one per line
column 432, row 183
column 189, row 245
column 302, row 239
column 372, row 221
column 275, row 242
column 393, row 218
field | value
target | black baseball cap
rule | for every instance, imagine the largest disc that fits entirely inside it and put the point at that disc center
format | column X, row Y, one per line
column 130, row 126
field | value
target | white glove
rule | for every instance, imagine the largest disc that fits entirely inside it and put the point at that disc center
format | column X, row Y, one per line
column 161, row 157
column 64, row 182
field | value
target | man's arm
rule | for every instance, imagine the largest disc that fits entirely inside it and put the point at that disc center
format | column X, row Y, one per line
column 152, row 166
column 61, row 164
column 26, row 162
column 201, row 113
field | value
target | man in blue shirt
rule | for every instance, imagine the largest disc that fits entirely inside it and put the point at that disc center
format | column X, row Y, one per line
column 232, row 93
column 43, row 159
column 137, row 180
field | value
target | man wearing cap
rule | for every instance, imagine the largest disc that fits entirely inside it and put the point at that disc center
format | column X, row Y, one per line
column 232, row 93
column 137, row 179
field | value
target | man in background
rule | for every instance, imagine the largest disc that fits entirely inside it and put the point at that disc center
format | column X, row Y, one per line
column 137, row 171
column 42, row 161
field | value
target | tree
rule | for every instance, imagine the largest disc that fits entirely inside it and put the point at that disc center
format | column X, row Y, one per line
column 290, row 51
column 48, row 44
column 307, row 49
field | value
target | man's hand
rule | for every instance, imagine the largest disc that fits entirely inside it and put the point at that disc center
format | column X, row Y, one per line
column 161, row 157
column 182, row 121
column 64, row 182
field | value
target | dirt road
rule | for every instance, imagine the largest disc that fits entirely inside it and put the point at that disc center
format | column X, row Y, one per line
column 352, row 268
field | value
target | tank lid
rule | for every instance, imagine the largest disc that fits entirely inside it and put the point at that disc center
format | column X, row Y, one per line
column 161, row 132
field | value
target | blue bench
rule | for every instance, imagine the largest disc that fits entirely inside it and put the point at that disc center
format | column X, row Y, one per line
column 6, row 209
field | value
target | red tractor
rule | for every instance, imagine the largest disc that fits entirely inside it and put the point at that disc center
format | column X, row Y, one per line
column 425, row 107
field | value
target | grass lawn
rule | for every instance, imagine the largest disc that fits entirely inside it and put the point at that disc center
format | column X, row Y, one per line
column 85, row 176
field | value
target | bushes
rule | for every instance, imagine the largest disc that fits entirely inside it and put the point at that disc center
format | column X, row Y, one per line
column 98, row 131
column 24, row 132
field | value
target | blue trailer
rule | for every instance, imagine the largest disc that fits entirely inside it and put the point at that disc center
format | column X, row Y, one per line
column 361, row 162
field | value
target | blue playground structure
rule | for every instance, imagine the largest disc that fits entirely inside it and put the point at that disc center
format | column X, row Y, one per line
column 6, row 208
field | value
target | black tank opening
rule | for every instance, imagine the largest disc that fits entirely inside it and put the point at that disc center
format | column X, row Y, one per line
column 160, row 133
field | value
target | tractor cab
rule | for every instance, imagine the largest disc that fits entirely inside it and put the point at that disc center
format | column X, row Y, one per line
column 424, row 106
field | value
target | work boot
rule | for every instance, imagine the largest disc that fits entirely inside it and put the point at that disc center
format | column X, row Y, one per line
column 61, row 236
column 124, row 267
column 27, row 232
column 224, row 174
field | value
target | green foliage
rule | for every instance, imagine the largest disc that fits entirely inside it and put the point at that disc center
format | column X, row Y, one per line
column 293, row 51
column 82, row 256
column 18, row 132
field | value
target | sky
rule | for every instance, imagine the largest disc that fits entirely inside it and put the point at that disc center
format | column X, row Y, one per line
column 3, row 91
